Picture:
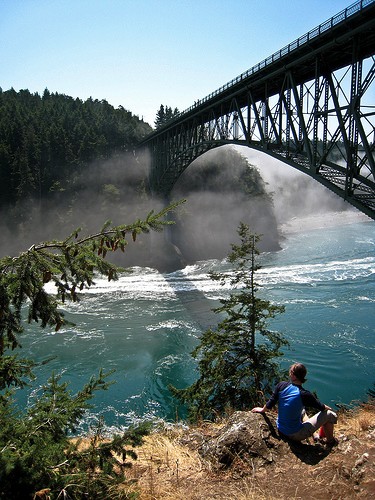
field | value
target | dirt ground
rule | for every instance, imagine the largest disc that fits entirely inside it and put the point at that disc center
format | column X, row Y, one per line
column 167, row 469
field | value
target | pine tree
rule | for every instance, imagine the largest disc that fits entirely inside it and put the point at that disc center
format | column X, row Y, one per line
column 237, row 360
column 160, row 117
column 164, row 114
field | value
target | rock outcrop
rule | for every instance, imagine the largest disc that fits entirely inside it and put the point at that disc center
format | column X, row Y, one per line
column 246, row 435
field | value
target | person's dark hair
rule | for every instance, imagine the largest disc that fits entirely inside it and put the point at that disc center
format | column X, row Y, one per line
column 299, row 371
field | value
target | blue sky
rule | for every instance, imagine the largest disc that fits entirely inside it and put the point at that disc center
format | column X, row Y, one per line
column 143, row 53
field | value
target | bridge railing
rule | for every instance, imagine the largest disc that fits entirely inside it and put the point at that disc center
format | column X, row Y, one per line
column 315, row 32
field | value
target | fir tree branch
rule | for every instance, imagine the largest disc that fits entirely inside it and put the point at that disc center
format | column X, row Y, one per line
column 71, row 265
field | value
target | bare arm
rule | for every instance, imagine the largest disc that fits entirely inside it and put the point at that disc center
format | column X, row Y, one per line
column 259, row 409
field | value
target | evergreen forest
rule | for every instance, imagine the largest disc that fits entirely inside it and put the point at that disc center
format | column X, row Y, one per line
column 48, row 141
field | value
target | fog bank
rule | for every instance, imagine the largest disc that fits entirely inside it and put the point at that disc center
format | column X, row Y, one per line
column 221, row 191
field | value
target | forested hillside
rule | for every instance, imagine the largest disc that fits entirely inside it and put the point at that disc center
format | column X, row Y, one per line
column 67, row 163
column 46, row 143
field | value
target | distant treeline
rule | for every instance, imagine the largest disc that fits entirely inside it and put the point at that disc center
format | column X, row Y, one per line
column 47, row 141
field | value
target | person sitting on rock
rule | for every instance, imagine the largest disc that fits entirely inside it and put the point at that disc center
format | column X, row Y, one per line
column 292, row 399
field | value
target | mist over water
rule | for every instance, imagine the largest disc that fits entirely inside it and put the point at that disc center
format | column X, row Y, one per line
column 115, row 190
column 295, row 194
column 145, row 325
column 110, row 189
column 222, row 189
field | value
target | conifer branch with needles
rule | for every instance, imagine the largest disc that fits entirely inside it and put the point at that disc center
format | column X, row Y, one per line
column 71, row 264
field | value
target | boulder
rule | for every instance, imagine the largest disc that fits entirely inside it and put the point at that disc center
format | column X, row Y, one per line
column 245, row 435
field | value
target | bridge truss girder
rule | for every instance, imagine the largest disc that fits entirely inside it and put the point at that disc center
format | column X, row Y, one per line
column 314, row 114
column 323, row 127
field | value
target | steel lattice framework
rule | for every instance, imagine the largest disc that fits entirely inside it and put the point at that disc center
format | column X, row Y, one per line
column 310, row 105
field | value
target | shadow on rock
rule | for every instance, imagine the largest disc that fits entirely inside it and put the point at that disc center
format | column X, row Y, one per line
column 308, row 453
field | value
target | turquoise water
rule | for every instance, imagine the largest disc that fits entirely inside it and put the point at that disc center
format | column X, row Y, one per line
column 145, row 325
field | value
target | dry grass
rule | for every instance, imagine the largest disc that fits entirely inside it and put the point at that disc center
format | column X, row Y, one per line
column 168, row 470
column 164, row 467
column 356, row 421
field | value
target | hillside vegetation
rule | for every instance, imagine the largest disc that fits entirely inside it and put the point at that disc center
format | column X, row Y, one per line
column 47, row 141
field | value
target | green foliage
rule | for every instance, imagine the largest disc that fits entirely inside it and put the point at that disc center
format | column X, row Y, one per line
column 164, row 114
column 237, row 361
column 36, row 452
column 46, row 141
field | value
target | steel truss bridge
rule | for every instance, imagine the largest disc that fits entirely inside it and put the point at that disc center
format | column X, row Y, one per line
column 310, row 105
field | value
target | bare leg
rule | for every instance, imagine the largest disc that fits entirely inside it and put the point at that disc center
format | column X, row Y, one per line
column 328, row 430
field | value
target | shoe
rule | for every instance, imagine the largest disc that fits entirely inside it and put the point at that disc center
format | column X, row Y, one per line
column 331, row 443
